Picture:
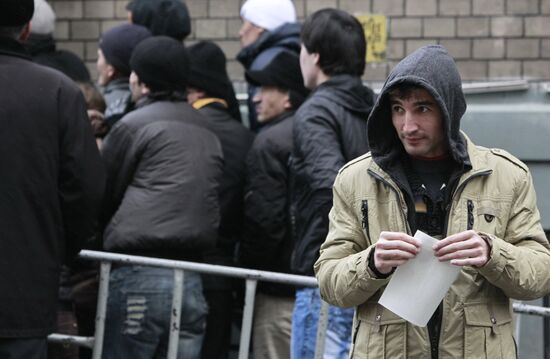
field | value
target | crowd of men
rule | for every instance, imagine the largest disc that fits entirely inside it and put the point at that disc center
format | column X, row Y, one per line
column 325, row 179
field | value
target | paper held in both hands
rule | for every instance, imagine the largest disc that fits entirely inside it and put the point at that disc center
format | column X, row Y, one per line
column 418, row 286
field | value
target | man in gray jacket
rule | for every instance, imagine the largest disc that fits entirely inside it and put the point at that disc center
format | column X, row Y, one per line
column 163, row 169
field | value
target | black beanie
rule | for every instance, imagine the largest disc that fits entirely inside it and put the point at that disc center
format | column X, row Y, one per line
column 16, row 12
column 208, row 69
column 280, row 68
column 161, row 63
column 162, row 17
column 118, row 43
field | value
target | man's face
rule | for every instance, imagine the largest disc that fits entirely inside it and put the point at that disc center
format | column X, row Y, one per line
column 105, row 71
column 270, row 102
column 249, row 33
column 309, row 67
column 419, row 124
column 136, row 87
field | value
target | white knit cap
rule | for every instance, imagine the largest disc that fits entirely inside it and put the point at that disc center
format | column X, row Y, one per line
column 268, row 14
column 43, row 20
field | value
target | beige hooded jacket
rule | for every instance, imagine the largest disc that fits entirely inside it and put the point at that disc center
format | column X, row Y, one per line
column 494, row 195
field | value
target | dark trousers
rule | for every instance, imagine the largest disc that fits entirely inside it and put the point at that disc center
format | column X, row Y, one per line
column 218, row 324
column 27, row 348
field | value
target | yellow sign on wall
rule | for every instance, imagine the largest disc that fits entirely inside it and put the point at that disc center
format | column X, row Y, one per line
column 377, row 36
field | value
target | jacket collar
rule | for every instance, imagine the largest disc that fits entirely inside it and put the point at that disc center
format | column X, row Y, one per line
column 476, row 165
column 11, row 47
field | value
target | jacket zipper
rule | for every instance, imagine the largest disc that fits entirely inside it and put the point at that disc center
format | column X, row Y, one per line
column 470, row 206
column 365, row 219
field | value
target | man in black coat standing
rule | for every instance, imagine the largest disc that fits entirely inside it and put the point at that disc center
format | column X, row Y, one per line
column 210, row 91
column 330, row 130
column 50, row 190
column 267, row 240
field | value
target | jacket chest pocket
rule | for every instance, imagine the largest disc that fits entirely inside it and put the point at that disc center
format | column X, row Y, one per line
column 485, row 215
column 379, row 334
column 488, row 332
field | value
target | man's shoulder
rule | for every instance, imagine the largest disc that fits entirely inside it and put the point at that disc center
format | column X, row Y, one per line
column 499, row 158
column 357, row 165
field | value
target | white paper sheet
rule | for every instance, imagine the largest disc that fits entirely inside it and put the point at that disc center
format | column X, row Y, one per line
column 418, row 286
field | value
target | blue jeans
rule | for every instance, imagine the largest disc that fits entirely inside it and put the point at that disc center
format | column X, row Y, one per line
column 304, row 327
column 138, row 314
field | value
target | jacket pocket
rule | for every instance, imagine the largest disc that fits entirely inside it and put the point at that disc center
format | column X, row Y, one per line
column 488, row 331
column 380, row 334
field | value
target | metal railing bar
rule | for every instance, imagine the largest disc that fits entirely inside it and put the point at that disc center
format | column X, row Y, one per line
column 102, row 295
column 248, row 316
column 177, row 296
column 531, row 309
column 87, row 342
column 322, row 325
column 202, row 268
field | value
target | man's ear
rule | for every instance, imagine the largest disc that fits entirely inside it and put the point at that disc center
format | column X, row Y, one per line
column 287, row 104
column 317, row 58
column 25, row 33
column 111, row 72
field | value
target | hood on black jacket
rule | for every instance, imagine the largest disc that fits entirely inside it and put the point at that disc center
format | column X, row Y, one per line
column 285, row 36
column 432, row 68
column 349, row 92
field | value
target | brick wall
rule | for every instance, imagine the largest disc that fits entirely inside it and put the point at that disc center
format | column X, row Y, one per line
column 490, row 39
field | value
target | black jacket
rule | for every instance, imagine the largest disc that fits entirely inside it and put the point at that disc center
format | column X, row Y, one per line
column 330, row 129
column 267, row 239
column 163, row 168
column 235, row 140
column 285, row 37
column 50, row 189
column 44, row 52
column 118, row 99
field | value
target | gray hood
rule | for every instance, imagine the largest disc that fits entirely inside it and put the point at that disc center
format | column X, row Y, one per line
column 432, row 68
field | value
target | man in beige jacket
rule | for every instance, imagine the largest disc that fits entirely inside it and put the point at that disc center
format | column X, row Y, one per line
column 424, row 173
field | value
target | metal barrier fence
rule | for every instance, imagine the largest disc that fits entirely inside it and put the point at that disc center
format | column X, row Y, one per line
column 251, row 276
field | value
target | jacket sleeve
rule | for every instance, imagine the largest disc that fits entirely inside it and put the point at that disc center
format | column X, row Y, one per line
column 119, row 163
column 520, row 262
column 266, row 207
column 81, row 173
column 317, row 140
column 342, row 268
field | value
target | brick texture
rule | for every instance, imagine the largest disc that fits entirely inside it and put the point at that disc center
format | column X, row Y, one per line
column 507, row 26
column 488, row 49
column 388, row 7
column 522, row 48
column 490, row 39
column 405, row 27
column 421, row 7
column 355, row 6
column 455, row 7
column 439, row 27
column 522, row 7
column 473, row 27
column 505, row 70
column 488, row 7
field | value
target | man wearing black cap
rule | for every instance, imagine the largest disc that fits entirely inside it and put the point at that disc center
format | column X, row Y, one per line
column 51, row 186
column 113, row 68
column 267, row 239
column 211, row 92
column 161, row 17
column 163, row 169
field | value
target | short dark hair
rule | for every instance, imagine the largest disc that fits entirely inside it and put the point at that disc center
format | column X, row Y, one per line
column 339, row 40
column 404, row 91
